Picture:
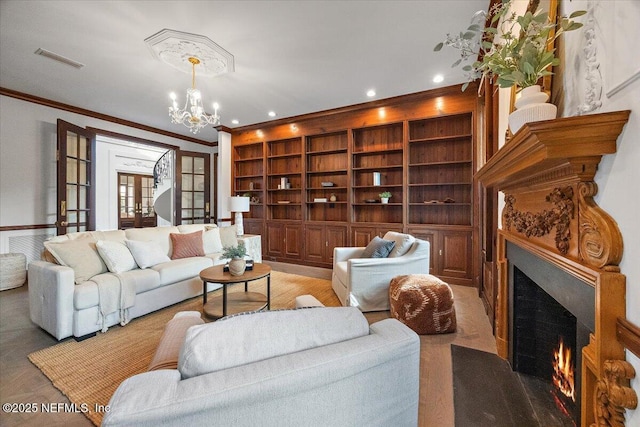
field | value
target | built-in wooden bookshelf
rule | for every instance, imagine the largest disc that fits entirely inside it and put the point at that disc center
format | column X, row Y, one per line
column 326, row 177
column 421, row 148
column 249, row 177
column 284, row 179
column 440, row 170
column 377, row 150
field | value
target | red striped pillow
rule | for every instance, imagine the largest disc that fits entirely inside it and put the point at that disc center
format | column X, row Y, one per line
column 186, row 245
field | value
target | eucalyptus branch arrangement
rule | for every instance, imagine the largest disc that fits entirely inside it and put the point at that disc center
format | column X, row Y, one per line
column 234, row 252
column 518, row 52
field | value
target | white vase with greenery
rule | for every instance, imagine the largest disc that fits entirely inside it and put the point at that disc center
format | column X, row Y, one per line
column 236, row 254
column 517, row 53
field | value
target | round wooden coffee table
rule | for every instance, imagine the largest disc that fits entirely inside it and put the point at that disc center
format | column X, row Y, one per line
column 240, row 301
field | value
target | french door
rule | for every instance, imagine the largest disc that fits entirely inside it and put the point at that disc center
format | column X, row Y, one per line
column 193, row 202
column 135, row 201
column 76, row 178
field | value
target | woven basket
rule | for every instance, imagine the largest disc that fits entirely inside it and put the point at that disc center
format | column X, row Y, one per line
column 13, row 271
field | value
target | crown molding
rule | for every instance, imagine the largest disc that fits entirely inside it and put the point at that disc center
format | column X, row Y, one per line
column 89, row 113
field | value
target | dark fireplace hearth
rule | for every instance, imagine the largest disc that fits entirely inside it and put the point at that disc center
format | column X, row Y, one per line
column 551, row 316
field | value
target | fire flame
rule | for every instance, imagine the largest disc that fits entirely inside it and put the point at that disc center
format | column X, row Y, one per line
column 563, row 375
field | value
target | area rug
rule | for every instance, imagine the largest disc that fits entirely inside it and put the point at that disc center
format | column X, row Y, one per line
column 88, row 372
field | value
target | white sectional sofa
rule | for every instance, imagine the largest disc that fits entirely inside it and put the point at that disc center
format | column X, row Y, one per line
column 316, row 367
column 69, row 299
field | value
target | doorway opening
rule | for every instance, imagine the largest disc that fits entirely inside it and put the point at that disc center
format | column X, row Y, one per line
column 136, row 201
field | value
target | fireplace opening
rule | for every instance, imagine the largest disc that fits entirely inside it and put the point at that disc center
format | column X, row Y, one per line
column 544, row 343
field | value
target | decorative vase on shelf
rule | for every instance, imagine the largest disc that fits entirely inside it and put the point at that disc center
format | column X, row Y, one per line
column 384, row 200
column 531, row 106
column 237, row 266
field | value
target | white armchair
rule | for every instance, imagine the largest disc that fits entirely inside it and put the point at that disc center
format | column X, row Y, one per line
column 364, row 282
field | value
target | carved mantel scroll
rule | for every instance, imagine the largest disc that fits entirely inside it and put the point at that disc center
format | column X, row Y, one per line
column 547, row 172
column 600, row 238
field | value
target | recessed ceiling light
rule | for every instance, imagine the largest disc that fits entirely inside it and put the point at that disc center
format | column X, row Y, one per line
column 272, row 113
column 438, row 78
column 235, row 121
column 371, row 93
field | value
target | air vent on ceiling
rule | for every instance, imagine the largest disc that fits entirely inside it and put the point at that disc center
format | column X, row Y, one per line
column 59, row 58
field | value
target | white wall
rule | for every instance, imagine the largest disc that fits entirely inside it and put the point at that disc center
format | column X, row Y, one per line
column 28, row 165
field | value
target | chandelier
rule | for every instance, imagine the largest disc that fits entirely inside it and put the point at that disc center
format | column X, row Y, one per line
column 193, row 115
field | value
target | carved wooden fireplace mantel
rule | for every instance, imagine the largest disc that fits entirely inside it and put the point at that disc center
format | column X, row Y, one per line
column 547, row 173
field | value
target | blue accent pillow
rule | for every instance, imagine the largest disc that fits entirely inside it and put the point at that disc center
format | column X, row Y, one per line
column 378, row 248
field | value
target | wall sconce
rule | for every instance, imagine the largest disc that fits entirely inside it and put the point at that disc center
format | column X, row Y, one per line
column 239, row 204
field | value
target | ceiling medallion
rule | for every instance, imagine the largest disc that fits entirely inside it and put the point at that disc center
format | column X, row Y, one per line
column 176, row 47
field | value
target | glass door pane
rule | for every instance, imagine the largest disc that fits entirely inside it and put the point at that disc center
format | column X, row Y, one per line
column 193, row 198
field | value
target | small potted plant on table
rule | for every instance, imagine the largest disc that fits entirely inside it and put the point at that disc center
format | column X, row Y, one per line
column 236, row 254
column 385, row 196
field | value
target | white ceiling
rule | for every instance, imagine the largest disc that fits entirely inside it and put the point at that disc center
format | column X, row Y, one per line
column 292, row 57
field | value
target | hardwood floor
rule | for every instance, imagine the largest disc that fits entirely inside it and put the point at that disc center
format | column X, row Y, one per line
column 21, row 382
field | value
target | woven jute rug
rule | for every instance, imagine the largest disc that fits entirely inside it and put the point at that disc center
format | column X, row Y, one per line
column 88, row 372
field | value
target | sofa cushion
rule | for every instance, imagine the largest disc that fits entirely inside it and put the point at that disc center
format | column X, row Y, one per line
column 241, row 340
column 228, row 236
column 81, row 255
column 186, row 245
column 211, row 241
column 192, row 228
column 86, row 294
column 181, row 269
column 147, row 254
column 159, row 235
column 378, row 248
column 403, row 243
column 116, row 255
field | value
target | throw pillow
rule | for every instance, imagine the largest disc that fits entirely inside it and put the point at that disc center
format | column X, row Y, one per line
column 211, row 240
column 186, row 245
column 116, row 256
column 403, row 243
column 216, row 346
column 378, row 248
column 146, row 254
column 228, row 236
column 81, row 255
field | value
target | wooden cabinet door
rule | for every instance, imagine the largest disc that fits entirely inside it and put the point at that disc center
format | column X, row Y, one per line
column 275, row 239
column 455, row 256
column 253, row 226
column 361, row 236
column 315, row 243
column 293, row 241
column 335, row 237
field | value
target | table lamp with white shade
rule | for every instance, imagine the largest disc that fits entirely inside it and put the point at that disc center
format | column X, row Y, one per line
column 239, row 204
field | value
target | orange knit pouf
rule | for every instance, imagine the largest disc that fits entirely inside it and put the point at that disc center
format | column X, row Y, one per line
column 424, row 303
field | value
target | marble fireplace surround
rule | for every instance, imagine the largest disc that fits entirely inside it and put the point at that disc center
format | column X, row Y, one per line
column 546, row 171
